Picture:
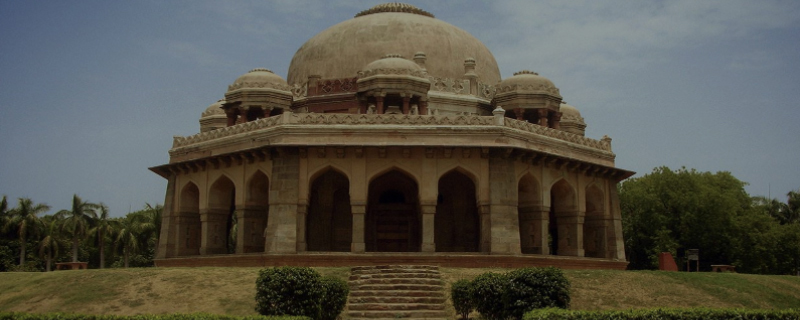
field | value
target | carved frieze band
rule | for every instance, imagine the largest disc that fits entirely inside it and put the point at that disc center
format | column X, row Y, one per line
column 388, row 119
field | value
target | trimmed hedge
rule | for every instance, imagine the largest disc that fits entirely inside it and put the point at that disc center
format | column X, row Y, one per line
column 295, row 291
column 664, row 314
column 194, row 316
column 461, row 294
column 488, row 290
column 334, row 297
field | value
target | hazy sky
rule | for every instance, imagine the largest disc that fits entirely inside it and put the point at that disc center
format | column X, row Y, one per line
column 92, row 92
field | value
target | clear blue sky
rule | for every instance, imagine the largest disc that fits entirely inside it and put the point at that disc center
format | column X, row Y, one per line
column 92, row 92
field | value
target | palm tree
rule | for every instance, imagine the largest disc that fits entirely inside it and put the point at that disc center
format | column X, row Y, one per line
column 4, row 213
column 102, row 230
column 77, row 221
column 25, row 219
column 127, row 240
column 151, row 221
column 50, row 245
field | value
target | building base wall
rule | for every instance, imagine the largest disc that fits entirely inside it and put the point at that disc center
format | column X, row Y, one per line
column 476, row 260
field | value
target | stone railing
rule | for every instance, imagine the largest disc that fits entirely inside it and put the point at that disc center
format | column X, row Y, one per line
column 289, row 118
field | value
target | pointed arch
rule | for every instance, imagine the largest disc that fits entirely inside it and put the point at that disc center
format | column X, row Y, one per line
column 220, row 225
column 329, row 223
column 532, row 233
column 393, row 222
column 456, row 222
column 258, row 189
column 324, row 169
column 394, row 168
column 562, row 206
column 251, row 220
column 595, row 225
column 189, row 231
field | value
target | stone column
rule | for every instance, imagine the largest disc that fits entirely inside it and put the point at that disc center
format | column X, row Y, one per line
column 251, row 220
column 423, row 106
column 187, row 234
column 503, row 206
column 243, row 114
column 533, row 229
column 542, row 117
column 167, row 245
column 520, row 113
column 214, row 225
column 428, row 226
column 570, row 233
column 556, row 120
column 616, row 246
column 486, row 227
column 302, row 218
column 359, row 211
column 281, row 232
column 379, row 103
column 406, row 102
column 231, row 116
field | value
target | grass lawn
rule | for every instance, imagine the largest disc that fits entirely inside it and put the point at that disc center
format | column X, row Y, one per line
column 231, row 290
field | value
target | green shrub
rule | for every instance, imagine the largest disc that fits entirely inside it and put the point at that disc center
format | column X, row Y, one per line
column 295, row 291
column 663, row 314
column 334, row 297
column 488, row 290
column 461, row 294
column 535, row 288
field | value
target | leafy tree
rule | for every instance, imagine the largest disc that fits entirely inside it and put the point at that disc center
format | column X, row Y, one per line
column 25, row 221
column 102, row 229
column 668, row 210
column 50, row 244
column 77, row 221
column 128, row 236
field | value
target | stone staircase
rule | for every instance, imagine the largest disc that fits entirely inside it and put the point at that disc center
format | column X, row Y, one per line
column 395, row 292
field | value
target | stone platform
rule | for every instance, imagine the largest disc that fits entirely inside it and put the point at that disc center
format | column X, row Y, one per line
column 333, row 259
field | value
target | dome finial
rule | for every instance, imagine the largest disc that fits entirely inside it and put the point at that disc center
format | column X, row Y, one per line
column 395, row 7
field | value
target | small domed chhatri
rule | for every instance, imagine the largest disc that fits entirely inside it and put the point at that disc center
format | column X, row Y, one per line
column 396, row 140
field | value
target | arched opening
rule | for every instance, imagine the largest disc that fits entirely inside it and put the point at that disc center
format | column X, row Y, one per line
column 221, row 220
column 531, row 231
column 189, row 221
column 393, row 219
column 329, row 223
column 563, row 239
column 253, row 217
column 457, row 224
column 594, row 226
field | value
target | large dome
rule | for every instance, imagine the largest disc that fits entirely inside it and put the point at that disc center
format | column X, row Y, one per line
column 344, row 49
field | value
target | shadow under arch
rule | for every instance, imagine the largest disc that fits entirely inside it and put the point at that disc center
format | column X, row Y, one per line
column 456, row 222
column 252, row 218
column 221, row 221
column 393, row 222
column 529, row 212
column 562, row 207
column 329, row 222
column 189, row 227
column 595, row 226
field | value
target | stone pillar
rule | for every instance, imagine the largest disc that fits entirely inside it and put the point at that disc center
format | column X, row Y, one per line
column 594, row 237
column 616, row 246
column 302, row 218
column 519, row 113
column 556, row 120
column 406, row 102
column 542, row 117
column 231, row 116
column 533, row 229
column 214, row 231
column 570, row 233
column 187, row 234
column 167, row 248
column 243, row 114
column 379, row 103
column 281, row 232
column 251, row 220
column 486, row 227
column 423, row 106
column 428, row 226
column 359, row 211
column 503, row 206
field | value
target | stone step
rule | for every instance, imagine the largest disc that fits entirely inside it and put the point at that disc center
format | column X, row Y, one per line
column 404, row 287
column 395, row 306
column 397, row 314
column 389, row 267
column 416, row 275
column 396, row 281
column 396, row 299
column 396, row 293
column 393, row 271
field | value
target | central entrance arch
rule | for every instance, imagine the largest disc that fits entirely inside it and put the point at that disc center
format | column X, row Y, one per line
column 393, row 219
